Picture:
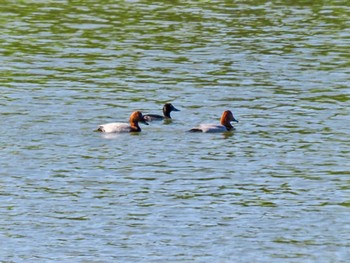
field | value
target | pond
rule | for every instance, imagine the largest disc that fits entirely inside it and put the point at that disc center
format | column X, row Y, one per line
column 277, row 189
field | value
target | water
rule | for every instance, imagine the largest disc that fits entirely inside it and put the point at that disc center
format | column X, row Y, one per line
column 275, row 190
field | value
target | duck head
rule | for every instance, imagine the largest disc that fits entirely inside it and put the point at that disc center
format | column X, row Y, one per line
column 136, row 117
column 226, row 119
column 167, row 108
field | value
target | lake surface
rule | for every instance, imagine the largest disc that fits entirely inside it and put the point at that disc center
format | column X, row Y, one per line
column 275, row 190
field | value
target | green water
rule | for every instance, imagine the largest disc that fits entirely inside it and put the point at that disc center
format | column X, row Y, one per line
column 275, row 190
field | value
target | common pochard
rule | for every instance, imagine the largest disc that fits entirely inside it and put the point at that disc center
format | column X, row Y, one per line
column 135, row 118
column 167, row 108
column 225, row 124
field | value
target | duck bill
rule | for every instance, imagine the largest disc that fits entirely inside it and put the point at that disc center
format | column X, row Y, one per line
column 174, row 109
column 144, row 121
column 235, row 120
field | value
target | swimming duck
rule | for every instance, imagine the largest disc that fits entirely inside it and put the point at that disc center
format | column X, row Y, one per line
column 167, row 108
column 135, row 118
column 225, row 121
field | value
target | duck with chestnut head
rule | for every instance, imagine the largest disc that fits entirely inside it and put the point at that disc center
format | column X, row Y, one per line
column 132, row 126
column 224, row 126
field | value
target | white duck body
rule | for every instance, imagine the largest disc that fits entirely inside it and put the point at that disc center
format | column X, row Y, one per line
column 207, row 127
column 115, row 127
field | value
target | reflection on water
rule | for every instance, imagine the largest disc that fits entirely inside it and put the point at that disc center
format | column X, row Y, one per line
column 276, row 189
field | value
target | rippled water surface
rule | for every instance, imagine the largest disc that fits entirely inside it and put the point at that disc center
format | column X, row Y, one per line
column 275, row 190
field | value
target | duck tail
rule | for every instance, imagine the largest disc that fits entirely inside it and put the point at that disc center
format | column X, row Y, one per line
column 100, row 129
column 195, row 130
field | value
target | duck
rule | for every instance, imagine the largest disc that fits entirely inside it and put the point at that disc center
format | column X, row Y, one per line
column 167, row 108
column 224, row 126
column 117, row 127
